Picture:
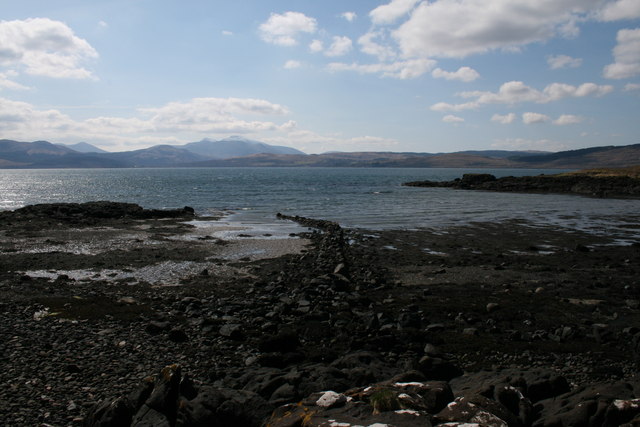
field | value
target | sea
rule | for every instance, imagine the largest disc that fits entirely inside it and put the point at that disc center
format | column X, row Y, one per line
column 367, row 198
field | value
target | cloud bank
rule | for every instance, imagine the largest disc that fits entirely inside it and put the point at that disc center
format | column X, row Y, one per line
column 459, row 28
column 515, row 92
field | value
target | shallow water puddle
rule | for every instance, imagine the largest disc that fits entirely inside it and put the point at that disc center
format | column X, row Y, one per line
column 168, row 273
column 432, row 252
column 93, row 241
column 234, row 227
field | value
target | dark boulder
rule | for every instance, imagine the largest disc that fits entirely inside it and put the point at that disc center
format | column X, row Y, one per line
column 223, row 407
column 232, row 331
column 156, row 327
column 285, row 341
column 170, row 399
column 534, row 384
column 92, row 212
column 609, row 405
column 437, row 368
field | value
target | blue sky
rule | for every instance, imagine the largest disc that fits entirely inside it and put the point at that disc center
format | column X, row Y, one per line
column 391, row 75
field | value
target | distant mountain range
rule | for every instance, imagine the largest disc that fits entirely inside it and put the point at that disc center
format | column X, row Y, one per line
column 237, row 151
column 43, row 154
column 83, row 147
column 235, row 146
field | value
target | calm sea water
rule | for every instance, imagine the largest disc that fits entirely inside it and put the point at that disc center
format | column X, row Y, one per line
column 367, row 198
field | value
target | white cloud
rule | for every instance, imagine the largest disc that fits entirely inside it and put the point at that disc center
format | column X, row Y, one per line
column 125, row 125
column 103, row 24
column 369, row 46
column 400, row 70
column 458, row 28
column 340, row 46
column 349, row 16
column 213, row 114
column 20, row 120
column 445, row 106
column 621, row 9
column 391, row 12
column 569, row 29
column 630, row 87
column 312, row 142
column 227, row 33
column 563, row 61
column 534, row 118
column 517, row 92
column 292, row 64
column 282, row 29
column 7, row 83
column 452, row 119
column 44, row 47
column 626, row 55
column 568, row 119
column 316, row 46
column 557, row 91
column 504, row 119
column 464, row 74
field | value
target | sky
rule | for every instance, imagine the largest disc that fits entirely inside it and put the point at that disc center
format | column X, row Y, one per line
column 323, row 75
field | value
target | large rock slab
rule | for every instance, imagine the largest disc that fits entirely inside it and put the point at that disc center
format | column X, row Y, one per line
column 170, row 399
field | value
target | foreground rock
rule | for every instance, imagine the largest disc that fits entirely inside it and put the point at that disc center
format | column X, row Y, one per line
column 488, row 399
column 90, row 212
column 586, row 185
column 170, row 399
column 525, row 324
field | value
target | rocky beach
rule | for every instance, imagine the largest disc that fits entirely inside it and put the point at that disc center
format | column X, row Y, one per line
column 112, row 315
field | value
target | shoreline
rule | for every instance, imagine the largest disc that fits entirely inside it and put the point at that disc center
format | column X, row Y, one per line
column 467, row 306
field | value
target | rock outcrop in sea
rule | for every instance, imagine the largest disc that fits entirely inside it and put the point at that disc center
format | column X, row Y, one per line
column 91, row 212
column 585, row 185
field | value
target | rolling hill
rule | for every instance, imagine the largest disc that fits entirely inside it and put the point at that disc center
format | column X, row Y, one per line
column 234, row 146
column 83, row 147
column 611, row 156
column 43, row 154
column 236, row 152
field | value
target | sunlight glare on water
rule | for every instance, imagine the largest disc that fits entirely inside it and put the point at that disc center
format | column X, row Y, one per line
column 355, row 197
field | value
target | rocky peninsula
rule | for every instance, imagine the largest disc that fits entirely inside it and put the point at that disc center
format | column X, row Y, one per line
column 116, row 315
column 622, row 183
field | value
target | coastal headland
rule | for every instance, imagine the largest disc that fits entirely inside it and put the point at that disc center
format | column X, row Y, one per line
column 613, row 182
column 112, row 314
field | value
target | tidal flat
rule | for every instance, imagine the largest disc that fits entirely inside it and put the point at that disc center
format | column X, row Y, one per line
column 93, row 304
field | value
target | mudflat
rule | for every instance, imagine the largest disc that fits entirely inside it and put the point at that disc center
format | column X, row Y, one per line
column 93, row 304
